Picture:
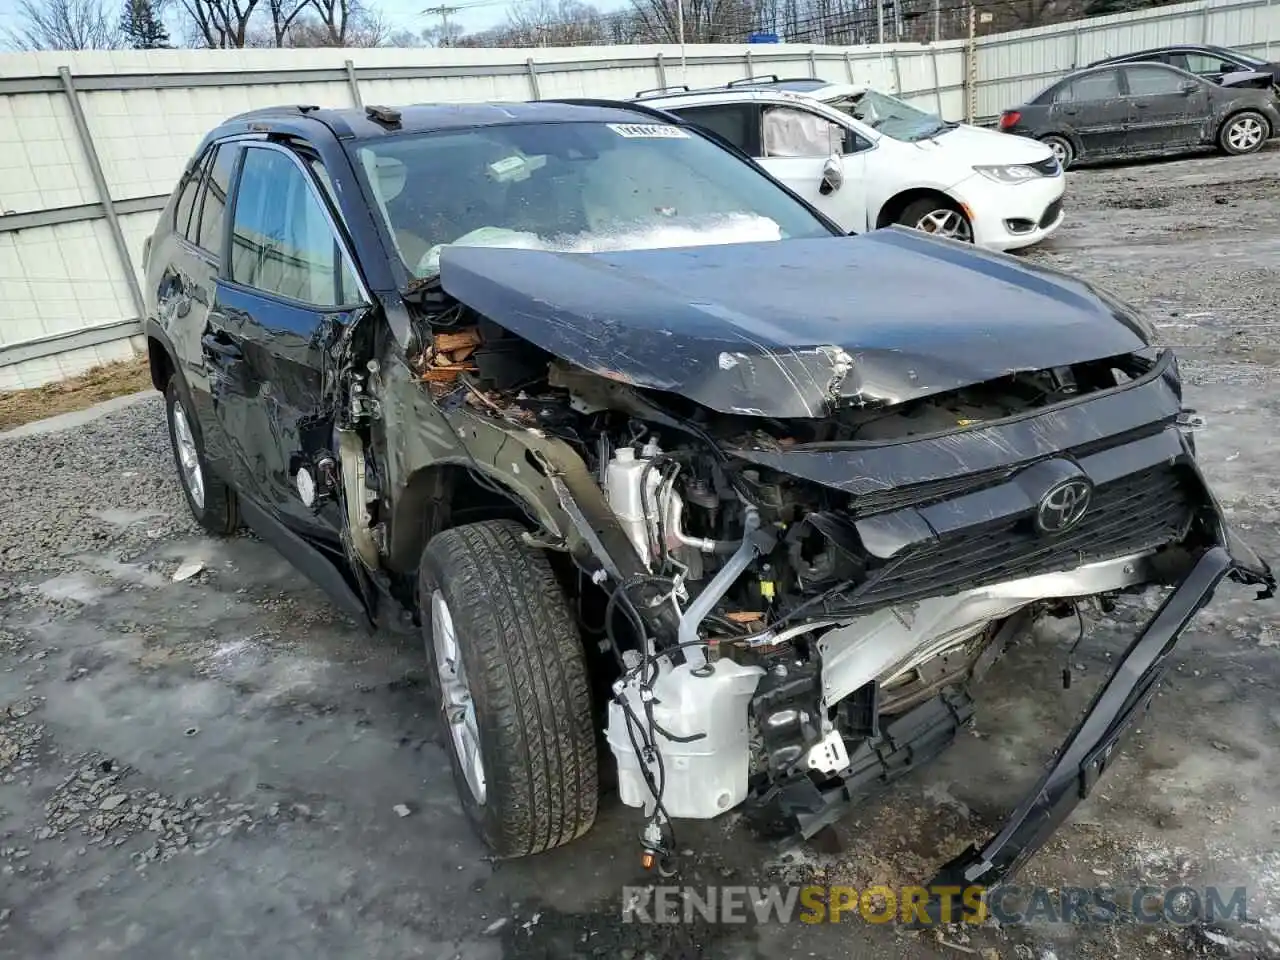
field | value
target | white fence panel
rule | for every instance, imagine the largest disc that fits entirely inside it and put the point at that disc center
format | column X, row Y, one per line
column 75, row 210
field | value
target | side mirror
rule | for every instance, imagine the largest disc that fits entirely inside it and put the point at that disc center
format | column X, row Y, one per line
column 832, row 175
column 1225, row 67
column 1189, row 86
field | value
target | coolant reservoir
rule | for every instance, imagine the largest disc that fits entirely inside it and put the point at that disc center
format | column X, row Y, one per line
column 622, row 487
column 708, row 775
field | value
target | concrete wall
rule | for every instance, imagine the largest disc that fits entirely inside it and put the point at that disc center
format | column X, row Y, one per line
column 92, row 142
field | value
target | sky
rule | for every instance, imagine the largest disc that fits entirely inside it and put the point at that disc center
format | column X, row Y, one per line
column 472, row 15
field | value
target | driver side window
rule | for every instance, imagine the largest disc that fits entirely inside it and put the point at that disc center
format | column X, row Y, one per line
column 1205, row 65
column 791, row 132
column 282, row 242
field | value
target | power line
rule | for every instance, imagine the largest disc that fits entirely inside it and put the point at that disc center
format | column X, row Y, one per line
column 444, row 13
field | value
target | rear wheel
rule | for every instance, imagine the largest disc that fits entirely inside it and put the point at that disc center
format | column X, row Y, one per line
column 1245, row 132
column 938, row 216
column 212, row 503
column 510, row 672
column 1062, row 149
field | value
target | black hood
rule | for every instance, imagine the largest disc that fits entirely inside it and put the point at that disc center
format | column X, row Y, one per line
column 786, row 329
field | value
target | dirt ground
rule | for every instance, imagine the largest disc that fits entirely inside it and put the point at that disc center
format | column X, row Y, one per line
column 93, row 386
column 220, row 766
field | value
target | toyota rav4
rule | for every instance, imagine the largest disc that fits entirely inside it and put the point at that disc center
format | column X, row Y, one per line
column 663, row 465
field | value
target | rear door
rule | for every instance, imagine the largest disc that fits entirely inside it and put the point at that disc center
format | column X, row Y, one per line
column 797, row 145
column 1091, row 107
column 1169, row 107
column 287, row 290
column 187, row 264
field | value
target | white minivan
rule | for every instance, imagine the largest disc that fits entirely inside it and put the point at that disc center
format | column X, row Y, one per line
column 869, row 160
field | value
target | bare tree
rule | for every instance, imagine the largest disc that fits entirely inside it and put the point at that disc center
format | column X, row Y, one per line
column 705, row 21
column 284, row 14
column 63, row 25
column 221, row 24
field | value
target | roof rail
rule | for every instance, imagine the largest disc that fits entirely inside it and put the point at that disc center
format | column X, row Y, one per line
column 743, row 81
column 631, row 105
column 654, row 90
column 284, row 109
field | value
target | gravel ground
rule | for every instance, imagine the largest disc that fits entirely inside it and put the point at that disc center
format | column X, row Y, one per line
column 200, row 758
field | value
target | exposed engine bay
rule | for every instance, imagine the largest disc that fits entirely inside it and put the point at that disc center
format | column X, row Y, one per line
column 781, row 631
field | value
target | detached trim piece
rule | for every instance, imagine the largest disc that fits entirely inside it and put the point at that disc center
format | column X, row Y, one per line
column 54, row 344
column 1089, row 750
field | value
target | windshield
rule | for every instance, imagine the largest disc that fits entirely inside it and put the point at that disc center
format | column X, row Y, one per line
column 576, row 187
column 891, row 116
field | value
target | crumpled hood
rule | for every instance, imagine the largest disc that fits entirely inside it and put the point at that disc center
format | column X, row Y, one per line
column 789, row 328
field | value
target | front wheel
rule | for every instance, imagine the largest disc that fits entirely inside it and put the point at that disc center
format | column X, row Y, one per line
column 1062, row 149
column 510, row 672
column 1244, row 133
column 939, row 217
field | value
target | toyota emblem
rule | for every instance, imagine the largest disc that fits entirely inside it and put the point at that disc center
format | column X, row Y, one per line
column 1064, row 505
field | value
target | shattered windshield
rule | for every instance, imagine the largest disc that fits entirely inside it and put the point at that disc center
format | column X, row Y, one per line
column 576, row 187
column 891, row 116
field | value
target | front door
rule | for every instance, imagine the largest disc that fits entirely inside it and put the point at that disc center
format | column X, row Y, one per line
column 1169, row 107
column 798, row 144
column 284, row 296
column 1091, row 107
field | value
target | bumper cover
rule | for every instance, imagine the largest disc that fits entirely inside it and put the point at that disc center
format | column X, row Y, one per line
column 1088, row 751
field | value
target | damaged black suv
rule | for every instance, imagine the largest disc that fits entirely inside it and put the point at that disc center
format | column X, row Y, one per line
column 663, row 465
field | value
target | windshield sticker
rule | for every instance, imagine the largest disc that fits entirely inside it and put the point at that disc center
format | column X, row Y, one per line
column 648, row 131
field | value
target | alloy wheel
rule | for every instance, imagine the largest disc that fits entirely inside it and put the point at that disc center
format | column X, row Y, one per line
column 1245, row 134
column 188, row 456
column 946, row 223
column 455, row 695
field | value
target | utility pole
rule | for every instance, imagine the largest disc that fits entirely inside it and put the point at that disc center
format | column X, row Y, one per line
column 684, row 72
column 444, row 13
column 971, row 73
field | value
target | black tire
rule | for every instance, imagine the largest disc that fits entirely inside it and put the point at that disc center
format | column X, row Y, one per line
column 917, row 210
column 1065, row 150
column 1238, row 126
column 526, row 670
column 217, row 511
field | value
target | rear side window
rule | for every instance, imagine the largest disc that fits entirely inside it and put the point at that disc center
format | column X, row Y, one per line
column 282, row 243
column 1104, row 85
column 187, row 198
column 213, row 207
column 734, row 122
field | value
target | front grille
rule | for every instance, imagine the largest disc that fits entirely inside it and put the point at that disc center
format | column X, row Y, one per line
column 1135, row 513
column 922, row 494
column 1051, row 213
column 1049, row 166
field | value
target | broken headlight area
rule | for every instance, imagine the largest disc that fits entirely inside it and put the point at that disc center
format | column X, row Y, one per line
column 813, row 600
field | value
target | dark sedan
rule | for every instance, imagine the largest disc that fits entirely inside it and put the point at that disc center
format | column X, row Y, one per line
column 1143, row 109
column 1210, row 62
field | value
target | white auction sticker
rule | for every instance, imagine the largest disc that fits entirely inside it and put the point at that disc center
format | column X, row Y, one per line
column 650, row 131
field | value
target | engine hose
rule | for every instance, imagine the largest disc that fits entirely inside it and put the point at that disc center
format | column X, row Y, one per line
column 721, row 583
